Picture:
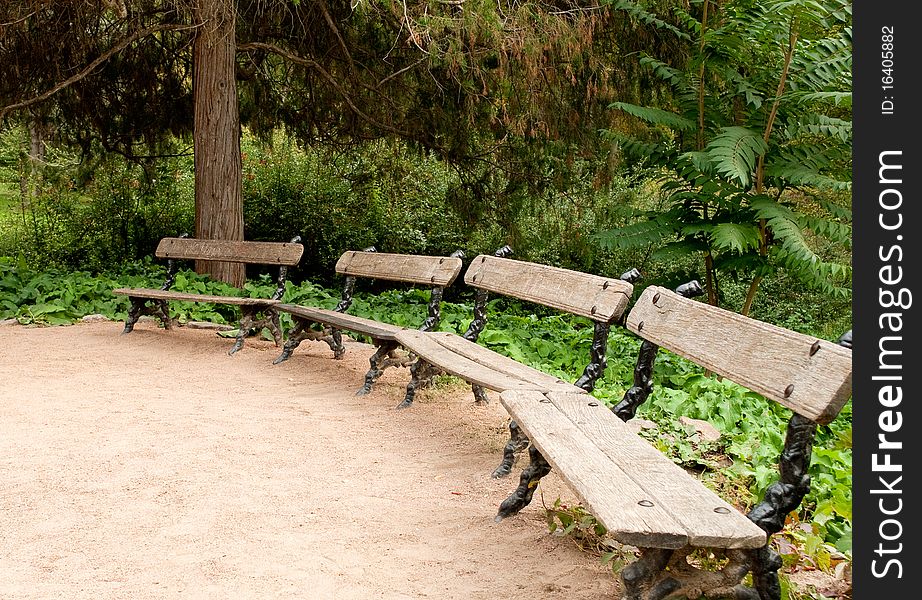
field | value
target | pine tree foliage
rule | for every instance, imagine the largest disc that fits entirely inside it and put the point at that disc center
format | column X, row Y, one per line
column 754, row 140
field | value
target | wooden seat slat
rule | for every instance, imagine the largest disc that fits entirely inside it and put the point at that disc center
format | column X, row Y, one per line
column 267, row 253
column 498, row 362
column 190, row 297
column 597, row 298
column 428, row 347
column 374, row 329
column 708, row 520
column 608, row 490
column 810, row 376
column 423, row 270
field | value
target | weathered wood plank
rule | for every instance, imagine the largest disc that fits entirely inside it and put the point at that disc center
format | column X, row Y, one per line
column 183, row 296
column 597, row 298
column 423, row 270
column 374, row 329
column 708, row 520
column 608, row 490
column 810, row 376
column 498, row 362
column 266, row 253
column 426, row 345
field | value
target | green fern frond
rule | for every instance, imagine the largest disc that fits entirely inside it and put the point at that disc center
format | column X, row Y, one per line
column 843, row 99
column 821, row 125
column 802, row 175
column 674, row 77
column 655, row 116
column 679, row 250
column 639, row 13
column 738, row 237
column 640, row 234
column 831, row 230
column 835, row 210
column 751, row 263
column 734, row 152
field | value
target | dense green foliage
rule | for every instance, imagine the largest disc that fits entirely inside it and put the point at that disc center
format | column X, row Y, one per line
column 94, row 215
column 752, row 143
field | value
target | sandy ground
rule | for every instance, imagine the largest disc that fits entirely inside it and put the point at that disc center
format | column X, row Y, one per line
column 154, row 465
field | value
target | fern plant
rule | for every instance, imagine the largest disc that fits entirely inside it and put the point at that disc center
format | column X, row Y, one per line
column 753, row 142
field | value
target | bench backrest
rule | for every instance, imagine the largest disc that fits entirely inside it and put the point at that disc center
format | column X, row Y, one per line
column 601, row 299
column 265, row 253
column 424, row 270
column 810, row 376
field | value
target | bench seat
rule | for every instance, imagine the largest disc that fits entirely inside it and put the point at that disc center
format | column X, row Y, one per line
column 642, row 497
column 479, row 365
column 340, row 320
column 190, row 297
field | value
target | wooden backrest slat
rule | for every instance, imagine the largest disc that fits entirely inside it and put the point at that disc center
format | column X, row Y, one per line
column 597, row 298
column 810, row 376
column 408, row 268
column 264, row 253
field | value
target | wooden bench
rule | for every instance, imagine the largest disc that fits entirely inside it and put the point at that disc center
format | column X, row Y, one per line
column 435, row 271
column 600, row 299
column 643, row 498
column 256, row 313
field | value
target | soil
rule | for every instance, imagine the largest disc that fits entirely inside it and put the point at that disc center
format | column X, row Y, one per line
column 154, row 465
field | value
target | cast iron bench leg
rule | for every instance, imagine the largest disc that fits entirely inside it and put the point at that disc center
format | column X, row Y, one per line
column 334, row 340
column 246, row 324
column 480, row 395
column 139, row 307
column 517, row 442
column 422, row 373
column 531, row 475
column 377, row 369
column 299, row 332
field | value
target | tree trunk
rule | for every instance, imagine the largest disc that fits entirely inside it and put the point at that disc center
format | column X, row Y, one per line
column 216, row 138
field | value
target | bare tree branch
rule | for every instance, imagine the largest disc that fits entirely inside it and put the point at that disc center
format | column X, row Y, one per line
column 118, row 47
column 401, row 71
column 19, row 20
column 326, row 75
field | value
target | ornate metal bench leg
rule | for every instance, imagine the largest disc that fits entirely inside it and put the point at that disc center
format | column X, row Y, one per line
column 246, row 323
column 517, row 442
column 334, row 339
column 640, row 574
column 134, row 313
column 275, row 326
column 163, row 311
column 480, row 395
column 139, row 307
column 420, row 371
column 765, row 565
column 521, row 497
column 383, row 351
column 299, row 332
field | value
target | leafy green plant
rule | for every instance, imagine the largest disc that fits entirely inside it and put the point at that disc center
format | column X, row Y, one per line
column 753, row 145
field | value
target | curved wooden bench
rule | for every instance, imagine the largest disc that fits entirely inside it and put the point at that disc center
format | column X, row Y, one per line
column 435, row 271
column 256, row 313
column 600, row 299
column 641, row 497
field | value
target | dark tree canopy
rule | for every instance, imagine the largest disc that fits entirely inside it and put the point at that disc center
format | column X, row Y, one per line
column 467, row 79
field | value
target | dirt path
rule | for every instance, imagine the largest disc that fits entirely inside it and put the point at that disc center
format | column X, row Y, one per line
column 153, row 465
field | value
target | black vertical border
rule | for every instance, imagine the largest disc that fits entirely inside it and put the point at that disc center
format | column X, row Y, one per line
column 876, row 132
